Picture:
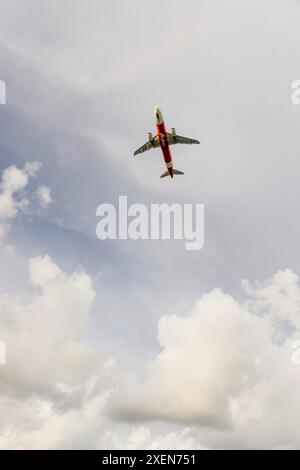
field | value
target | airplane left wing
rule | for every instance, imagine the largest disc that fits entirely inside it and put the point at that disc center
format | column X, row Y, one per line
column 178, row 139
column 148, row 146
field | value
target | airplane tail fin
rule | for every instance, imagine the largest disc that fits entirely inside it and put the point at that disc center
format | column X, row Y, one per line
column 175, row 172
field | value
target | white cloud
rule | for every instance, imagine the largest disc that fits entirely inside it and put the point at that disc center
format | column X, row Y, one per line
column 42, row 329
column 13, row 180
column 13, row 198
column 32, row 168
column 142, row 437
column 278, row 297
column 43, row 270
column 35, row 424
column 52, row 388
column 221, row 367
column 43, row 195
column 54, row 384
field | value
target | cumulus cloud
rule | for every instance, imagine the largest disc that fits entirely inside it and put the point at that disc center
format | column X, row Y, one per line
column 142, row 437
column 42, row 330
column 278, row 298
column 52, row 390
column 221, row 379
column 36, row 424
column 54, row 385
column 13, row 198
column 43, row 195
column 221, row 367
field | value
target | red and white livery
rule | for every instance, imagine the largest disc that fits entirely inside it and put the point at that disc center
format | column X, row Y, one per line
column 164, row 139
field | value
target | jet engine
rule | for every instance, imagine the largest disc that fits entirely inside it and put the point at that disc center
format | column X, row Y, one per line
column 150, row 136
column 173, row 131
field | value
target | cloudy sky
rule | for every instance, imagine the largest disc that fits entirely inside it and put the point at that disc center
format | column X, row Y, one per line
column 142, row 344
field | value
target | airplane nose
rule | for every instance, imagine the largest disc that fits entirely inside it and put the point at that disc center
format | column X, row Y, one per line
column 158, row 115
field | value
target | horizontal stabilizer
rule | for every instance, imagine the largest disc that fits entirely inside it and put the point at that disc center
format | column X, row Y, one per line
column 175, row 172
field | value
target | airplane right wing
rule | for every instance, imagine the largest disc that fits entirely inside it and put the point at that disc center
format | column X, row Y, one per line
column 178, row 139
column 148, row 146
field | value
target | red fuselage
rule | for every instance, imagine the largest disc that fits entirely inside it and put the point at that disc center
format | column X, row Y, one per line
column 163, row 140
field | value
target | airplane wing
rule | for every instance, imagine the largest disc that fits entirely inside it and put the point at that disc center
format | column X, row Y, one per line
column 148, row 146
column 178, row 139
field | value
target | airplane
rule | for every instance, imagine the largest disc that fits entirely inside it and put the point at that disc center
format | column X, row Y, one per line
column 164, row 139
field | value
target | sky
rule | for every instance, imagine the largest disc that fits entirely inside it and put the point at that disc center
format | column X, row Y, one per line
column 128, row 344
